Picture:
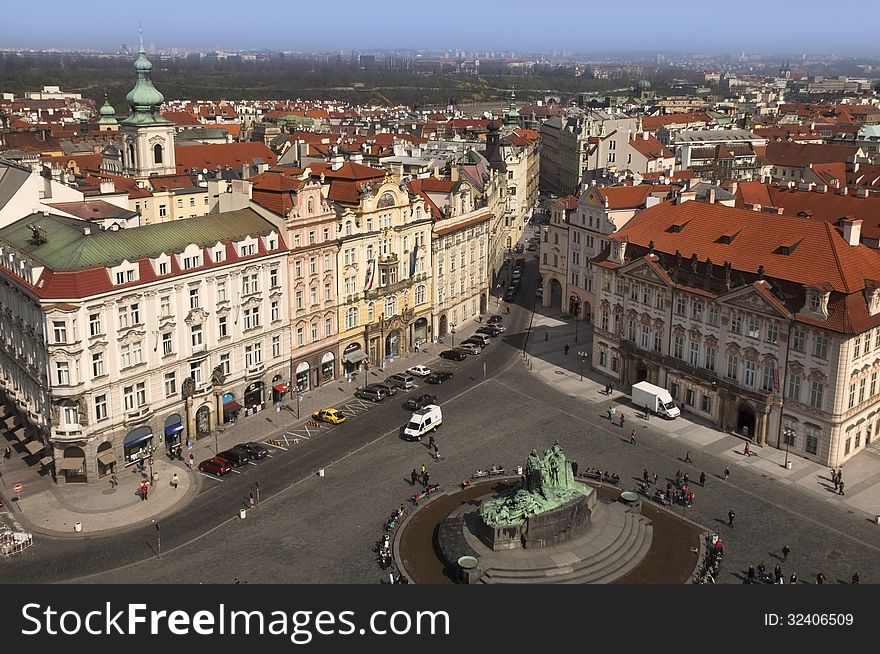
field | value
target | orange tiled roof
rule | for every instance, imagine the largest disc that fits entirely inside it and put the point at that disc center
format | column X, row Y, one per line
column 215, row 155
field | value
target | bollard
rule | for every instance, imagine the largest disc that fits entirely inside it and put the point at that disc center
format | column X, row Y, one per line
column 242, row 513
column 77, row 527
column 519, row 470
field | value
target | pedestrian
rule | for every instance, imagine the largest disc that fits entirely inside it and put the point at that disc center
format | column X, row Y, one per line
column 645, row 475
column 855, row 577
column 747, row 450
column 655, row 477
column 840, row 476
column 610, row 411
column 677, row 477
column 611, row 387
column 414, row 477
column 777, row 572
column 726, row 473
column 785, row 552
column 145, row 489
column 647, row 413
column 607, row 392
column 546, row 336
column 114, row 480
column 840, row 492
column 702, row 479
column 565, row 349
column 436, row 452
column 423, row 470
column 834, row 479
column 574, row 468
column 687, row 457
column 751, row 574
column 621, row 420
column 730, row 516
column 820, row 578
column 632, row 437
column 7, row 452
column 425, row 479
column 685, row 479
column 793, row 578
column 175, row 480
column 192, row 460
column 431, row 442
column 508, row 309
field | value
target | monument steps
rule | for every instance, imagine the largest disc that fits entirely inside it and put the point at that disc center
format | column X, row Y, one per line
column 615, row 559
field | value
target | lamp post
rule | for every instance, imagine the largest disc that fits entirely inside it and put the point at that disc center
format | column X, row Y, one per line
column 788, row 433
column 583, row 355
column 577, row 312
column 452, row 331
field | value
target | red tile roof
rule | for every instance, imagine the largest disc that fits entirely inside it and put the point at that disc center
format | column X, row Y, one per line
column 234, row 155
column 650, row 123
column 800, row 155
column 631, row 197
column 181, row 118
column 650, row 147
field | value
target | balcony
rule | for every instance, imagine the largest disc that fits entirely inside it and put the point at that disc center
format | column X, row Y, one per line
column 139, row 414
column 67, row 434
column 255, row 371
column 388, row 259
column 67, row 390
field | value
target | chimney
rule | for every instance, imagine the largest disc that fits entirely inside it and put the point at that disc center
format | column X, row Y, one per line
column 862, row 193
column 852, row 231
column 844, row 190
column 712, row 195
column 685, row 197
column 645, row 136
column 821, row 188
column 108, row 186
column 87, row 230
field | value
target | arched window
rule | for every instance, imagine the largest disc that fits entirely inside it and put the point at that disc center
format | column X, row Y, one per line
column 390, row 306
column 157, row 154
column 131, row 155
column 420, row 295
column 371, row 312
column 351, row 318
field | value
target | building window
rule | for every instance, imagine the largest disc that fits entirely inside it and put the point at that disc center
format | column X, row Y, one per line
column 658, row 340
column 250, row 284
column 328, row 327
column 817, row 394
column 689, row 396
column 313, row 295
column 798, row 340
column 711, row 354
column 857, row 347
column 225, row 364
column 222, row 327
column 170, row 384
column 736, row 324
column 680, row 306
column 274, row 311
column 276, row 347
column 697, row 310
column 59, row 329
column 97, row 364
column 420, row 295
column 862, row 383
column 794, row 387
column 873, row 384
column 659, row 301
column 712, row 318
column 812, row 444
column 221, row 291
column 852, row 396
column 605, row 320
column 314, row 332
column 351, row 318
column 706, row 404
column 695, row 354
column 163, row 211
column 94, row 324
column 100, row 407
column 754, row 328
column 62, row 373
column 251, row 317
column 821, row 350
column 732, row 366
column 167, row 346
column 677, row 347
column 157, row 154
column 749, row 375
column 195, row 372
column 298, row 299
column 767, row 378
column 196, row 335
column 193, row 298
column 772, row 333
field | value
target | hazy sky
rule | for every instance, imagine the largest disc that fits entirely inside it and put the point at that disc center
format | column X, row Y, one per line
column 574, row 25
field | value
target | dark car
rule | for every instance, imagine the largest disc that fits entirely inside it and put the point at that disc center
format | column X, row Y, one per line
column 236, row 456
column 256, row 451
column 491, row 330
column 495, row 319
column 417, row 402
column 372, row 394
column 439, row 377
column 454, row 355
column 389, row 389
column 216, row 466
column 510, row 293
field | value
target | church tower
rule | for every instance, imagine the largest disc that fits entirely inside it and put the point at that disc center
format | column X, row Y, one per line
column 149, row 138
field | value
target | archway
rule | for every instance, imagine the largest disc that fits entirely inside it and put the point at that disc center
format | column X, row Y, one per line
column 641, row 373
column 203, row 421
column 328, row 367
column 555, row 293
column 73, row 465
column 745, row 420
column 253, row 394
column 302, row 380
column 392, row 344
column 106, row 459
column 483, row 304
column 173, row 433
column 443, row 326
column 586, row 311
column 138, row 444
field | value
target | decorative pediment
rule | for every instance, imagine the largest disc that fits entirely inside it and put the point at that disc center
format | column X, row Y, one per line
column 695, row 334
column 757, row 300
column 131, row 335
column 679, row 330
column 710, row 340
column 796, row 368
column 732, row 348
column 618, row 309
column 97, row 346
column 645, row 319
column 817, row 375
column 223, row 311
column 658, row 323
column 647, row 271
column 196, row 317
column 751, row 354
column 253, row 301
column 274, row 295
column 632, row 314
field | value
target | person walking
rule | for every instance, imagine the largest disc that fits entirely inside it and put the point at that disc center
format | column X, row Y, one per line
column 793, row 578
column 834, row 479
column 777, row 573
column 687, row 457
column 730, row 516
column 114, row 480
column 426, row 478
column 747, row 450
column 565, row 349
column 175, row 480
column 7, row 452
column 145, row 489
column 840, row 492
column 647, row 413
column 702, row 479
column 786, row 550
column 413, row 477
column 422, row 470
column 855, row 577
column 655, row 478
column 436, row 452
column 645, row 475
column 610, row 387
column 726, row 473
column 632, row 437
column 192, row 460
column 431, row 442
column 574, row 469
column 546, row 336
column 621, row 420
column 820, row 578
column 508, row 309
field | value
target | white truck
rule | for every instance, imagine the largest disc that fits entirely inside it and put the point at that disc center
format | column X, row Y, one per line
column 654, row 399
column 423, row 421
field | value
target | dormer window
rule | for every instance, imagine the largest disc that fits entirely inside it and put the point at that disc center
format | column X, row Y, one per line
column 248, row 250
column 815, row 302
column 192, row 262
column 219, row 255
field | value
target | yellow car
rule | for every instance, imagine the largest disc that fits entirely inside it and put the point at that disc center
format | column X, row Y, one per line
column 332, row 416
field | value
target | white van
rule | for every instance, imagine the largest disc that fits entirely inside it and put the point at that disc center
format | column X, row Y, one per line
column 423, row 422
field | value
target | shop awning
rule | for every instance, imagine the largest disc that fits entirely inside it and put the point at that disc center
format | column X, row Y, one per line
column 232, row 406
column 170, row 430
column 46, row 460
column 10, row 421
column 283, row 387
column 354, row 357
column 107, row 457
column 34, row 446
column 72, row 463
column 20, row 436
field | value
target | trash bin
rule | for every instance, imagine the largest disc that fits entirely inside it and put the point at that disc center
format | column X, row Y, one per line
column 242, row 513
column 77, row 526
column 788, row 465
column 320, row 472
column 155, row 476
column 519, row 470
column 877, row 519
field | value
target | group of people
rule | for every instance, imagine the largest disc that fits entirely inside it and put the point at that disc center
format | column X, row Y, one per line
column 837, row 478
column 598, row 474
column 420, row 477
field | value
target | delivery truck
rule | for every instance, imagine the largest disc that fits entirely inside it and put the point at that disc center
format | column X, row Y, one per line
column 654, row 399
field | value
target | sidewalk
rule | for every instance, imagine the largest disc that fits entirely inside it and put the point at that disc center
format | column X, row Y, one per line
column 54, row 509
column 547, row 361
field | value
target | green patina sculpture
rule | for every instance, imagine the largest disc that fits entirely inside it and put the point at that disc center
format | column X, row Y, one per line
column 549, row 483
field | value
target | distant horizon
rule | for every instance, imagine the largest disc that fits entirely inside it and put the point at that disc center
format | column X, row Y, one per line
column 572, row 26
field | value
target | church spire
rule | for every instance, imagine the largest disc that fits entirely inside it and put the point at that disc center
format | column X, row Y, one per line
column 144, row 99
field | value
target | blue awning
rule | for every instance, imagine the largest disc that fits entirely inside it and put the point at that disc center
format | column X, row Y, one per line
column 170, row 430
column 134, row 442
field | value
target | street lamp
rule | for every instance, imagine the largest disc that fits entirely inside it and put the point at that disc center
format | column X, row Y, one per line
column 583, row 356
column 577, row 312
column 452, row 331
column 788, row 433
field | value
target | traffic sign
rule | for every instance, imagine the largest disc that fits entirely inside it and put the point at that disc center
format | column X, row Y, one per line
column 17, row 488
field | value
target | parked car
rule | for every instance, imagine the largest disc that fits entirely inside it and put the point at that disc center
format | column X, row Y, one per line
column 389, row 389
column 517, row 273
column 417, row 402
column 401, row 380
column 439, row 377
column 496, row 318
column 236, row 456
column 372, row 394
column 479, row 339
column 509, row 294
column 256, row 451
column 491, row 330
column 216, row 466
column 423, row 421
column 333, row 416
column 470, row 348
column 419, row 371
column 454, row 355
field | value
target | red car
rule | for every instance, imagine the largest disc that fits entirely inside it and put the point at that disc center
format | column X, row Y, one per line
column 216, row 466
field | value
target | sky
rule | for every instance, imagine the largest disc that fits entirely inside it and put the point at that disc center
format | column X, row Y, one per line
column 585, row 26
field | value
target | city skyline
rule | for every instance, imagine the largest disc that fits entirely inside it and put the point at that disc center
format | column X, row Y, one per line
column 562, row 25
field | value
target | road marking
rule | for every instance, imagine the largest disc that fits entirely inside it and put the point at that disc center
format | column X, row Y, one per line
column 207, row 476
column 251, row 463
column 279, row 447
column 238, row 472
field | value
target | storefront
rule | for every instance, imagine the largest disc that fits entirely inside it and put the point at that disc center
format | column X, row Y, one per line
column 353, row 357
column 302, row 377
column 138, row 445
column 328, row 367
column 106, row 459
column 254, row 395
column 280, row 388
column 420, row 331
column 230, row 407
column 173, row 435
column 73, row 466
